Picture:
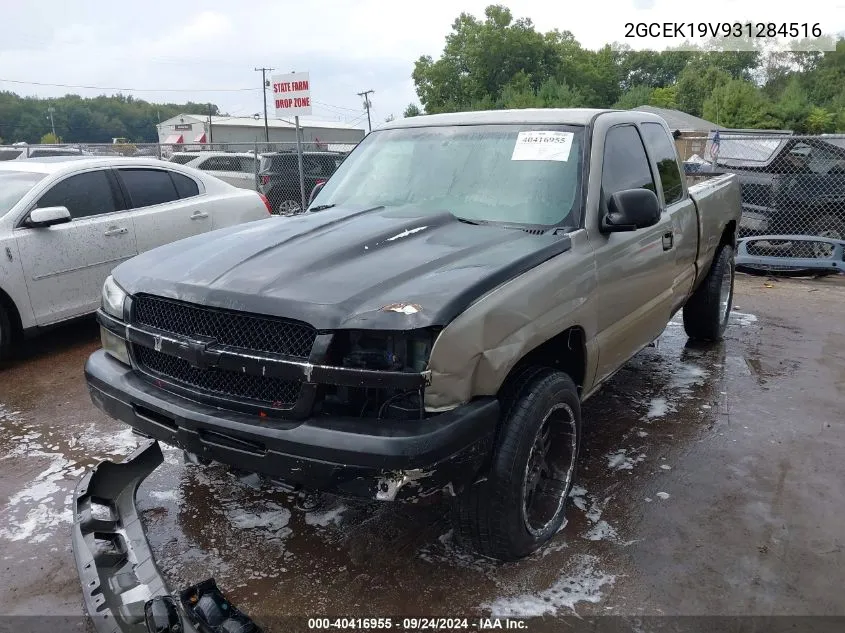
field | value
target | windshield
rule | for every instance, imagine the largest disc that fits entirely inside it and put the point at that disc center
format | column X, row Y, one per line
column 515, row 174
column 13, row 187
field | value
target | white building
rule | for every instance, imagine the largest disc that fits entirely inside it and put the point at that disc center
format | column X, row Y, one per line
column 198, row 129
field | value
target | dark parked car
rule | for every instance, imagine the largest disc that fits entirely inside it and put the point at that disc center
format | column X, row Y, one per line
column 279, row 177
column 790, row 185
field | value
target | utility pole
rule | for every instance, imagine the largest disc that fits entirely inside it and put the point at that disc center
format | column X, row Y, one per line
column 50, row 111
column 264, row 94
column 367, row 106
column 210, row 136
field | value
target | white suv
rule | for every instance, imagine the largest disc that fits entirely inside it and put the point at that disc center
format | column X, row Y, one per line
column 236, row 168
column 66, row 222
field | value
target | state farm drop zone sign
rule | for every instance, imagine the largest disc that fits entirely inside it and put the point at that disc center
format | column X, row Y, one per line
column 292, row 94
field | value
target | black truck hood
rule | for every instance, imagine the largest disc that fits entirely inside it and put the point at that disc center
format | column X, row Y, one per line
column 339, row 268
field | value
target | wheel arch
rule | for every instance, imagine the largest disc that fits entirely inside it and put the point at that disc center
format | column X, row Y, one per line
column 12, row 312
column 566, row 352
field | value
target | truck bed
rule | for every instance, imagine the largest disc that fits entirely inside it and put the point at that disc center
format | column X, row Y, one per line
column 714, row 196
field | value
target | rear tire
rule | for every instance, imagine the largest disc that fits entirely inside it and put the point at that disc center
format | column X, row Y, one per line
column 289, row 207
column 707, row 311
column 521, row 504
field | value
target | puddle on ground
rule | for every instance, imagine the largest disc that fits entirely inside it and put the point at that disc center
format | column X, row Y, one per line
column 354, row 556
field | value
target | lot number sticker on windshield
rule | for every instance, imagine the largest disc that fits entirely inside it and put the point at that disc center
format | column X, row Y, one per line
column 542, row 145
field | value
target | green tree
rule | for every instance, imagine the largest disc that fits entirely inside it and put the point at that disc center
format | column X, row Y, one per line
column 664, row 97
column 695, row 83
column 412, row 110
column 740, row 104
column 94, row 120
column 480, row 58
column 820, row 120
column 793, row 106
column 50, row 139
column 634, row 98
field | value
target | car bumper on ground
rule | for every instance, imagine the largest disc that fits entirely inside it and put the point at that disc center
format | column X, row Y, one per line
column 113, row 558
column 383, row 459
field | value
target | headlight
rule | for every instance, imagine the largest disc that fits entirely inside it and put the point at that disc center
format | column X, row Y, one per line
column 113, row 298
column 114, row 346
column 393, row 351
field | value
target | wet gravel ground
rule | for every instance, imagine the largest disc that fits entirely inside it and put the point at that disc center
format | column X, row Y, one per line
column 712, row 482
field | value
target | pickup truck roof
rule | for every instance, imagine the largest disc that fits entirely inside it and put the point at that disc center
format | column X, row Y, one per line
column 561, row 116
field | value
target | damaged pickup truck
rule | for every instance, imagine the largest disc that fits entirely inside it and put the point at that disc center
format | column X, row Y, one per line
column 434, row 321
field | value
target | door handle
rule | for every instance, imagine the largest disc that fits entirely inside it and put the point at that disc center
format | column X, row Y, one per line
column 198, row 215
column 116, row 230
column 668, row 240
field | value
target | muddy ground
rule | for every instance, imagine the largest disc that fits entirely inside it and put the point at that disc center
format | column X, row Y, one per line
column 712, row 483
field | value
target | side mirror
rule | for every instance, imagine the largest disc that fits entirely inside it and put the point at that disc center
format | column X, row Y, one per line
column 317, row 188
column 48, row 216
column 630, row 210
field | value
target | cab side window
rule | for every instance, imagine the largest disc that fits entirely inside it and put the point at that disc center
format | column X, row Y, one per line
column 663, row 150
column 625, row 163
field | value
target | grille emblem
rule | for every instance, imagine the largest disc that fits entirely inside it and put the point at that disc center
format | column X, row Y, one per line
column 157, row 343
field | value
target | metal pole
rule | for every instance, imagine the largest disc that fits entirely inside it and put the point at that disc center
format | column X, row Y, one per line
column 210, row 135
column 299, row 160
column 255, row 167
column 264, row 94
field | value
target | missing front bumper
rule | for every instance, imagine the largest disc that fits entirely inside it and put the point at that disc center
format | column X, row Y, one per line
column 113, row 558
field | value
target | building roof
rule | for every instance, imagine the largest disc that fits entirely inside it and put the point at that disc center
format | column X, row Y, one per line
column 248, row 121
column 681, row 121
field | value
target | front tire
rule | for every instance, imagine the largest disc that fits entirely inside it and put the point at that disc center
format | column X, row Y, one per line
column 6, row 334
column 707, row 311
column 521, row 504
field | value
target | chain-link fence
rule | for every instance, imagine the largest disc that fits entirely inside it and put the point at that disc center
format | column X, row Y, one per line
column 272, row 169
column 791, row 185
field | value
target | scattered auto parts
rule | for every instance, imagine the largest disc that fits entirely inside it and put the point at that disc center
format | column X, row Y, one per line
column 123, row 588
column 791, row 254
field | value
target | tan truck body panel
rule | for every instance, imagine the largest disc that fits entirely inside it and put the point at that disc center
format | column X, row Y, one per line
column 620, row 289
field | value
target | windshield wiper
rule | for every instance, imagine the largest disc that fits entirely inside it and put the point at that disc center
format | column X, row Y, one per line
column 321, row 207
column 473, row 222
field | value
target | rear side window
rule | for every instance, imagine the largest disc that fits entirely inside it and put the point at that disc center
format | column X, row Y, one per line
column 10, row 154
column 181, row 159
column 147, row 187
column 185, row 187
column 663, row 150
column 84, row 195
column 625, row 162
column 218, row 163
column 44, row 153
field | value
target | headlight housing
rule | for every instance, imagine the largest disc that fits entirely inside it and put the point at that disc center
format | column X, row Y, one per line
column 392, row 351
column 114, row 346
column 113, row 298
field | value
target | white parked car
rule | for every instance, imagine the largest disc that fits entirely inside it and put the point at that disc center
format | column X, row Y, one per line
column 24, row 152
column 66, row 222
column 236, row 168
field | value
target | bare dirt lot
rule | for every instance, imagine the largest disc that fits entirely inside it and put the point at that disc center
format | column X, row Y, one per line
column 712, row 482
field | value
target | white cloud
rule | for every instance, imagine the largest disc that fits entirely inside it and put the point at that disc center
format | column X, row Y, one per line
column 347, row 47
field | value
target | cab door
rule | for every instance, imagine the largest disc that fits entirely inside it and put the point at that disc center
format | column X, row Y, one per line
column 65, row 265
column 634, row 268
column 679, row 205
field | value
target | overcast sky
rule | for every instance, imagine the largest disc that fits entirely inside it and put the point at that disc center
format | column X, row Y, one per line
column 177, row 51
